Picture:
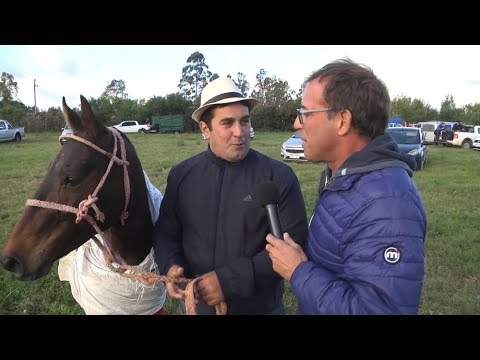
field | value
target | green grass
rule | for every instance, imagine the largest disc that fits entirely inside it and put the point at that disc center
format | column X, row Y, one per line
column 449, row 184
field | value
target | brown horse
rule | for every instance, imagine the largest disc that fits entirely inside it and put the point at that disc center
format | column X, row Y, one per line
column 95, row 185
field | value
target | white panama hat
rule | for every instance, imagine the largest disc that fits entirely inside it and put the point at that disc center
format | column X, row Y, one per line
column 220, row 91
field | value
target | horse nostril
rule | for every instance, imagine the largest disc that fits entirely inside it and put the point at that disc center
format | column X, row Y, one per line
column 11, row 264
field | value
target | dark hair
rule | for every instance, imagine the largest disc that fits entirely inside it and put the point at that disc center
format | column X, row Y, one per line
column 207, row 115
column 352, row 86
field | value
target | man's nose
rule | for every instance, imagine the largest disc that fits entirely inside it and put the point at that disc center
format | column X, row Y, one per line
column 237, row 129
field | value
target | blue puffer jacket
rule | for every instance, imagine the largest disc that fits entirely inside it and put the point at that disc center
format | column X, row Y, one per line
column 366, row 240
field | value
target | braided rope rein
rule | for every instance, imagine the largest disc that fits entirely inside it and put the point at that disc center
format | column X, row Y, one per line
column 134, row 272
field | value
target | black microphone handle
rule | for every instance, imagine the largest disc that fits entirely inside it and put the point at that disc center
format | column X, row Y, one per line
column 274, row 220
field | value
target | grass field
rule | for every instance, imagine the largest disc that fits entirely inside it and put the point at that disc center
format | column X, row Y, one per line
column 449, row 184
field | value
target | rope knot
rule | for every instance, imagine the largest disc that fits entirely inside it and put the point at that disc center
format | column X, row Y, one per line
column 84, row 206
column 82, row 211
column 120, row 162
column 100, row 216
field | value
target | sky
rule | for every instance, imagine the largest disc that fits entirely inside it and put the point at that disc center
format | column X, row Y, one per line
column 426, row 72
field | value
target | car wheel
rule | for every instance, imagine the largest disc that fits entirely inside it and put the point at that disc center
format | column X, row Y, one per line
column 18, row 137
column 467, row 144
column 422, row 164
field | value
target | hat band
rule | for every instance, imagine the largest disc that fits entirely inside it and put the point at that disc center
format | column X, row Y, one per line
column 223, row 96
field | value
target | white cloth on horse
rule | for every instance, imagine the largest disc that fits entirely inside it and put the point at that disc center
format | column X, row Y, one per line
column 101, row 291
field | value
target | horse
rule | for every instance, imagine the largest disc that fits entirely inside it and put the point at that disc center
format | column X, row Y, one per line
column 95, row 193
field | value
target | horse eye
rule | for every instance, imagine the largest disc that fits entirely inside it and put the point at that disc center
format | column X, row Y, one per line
column 67, row 180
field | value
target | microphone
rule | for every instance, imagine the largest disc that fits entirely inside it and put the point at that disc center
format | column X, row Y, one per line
column 269, row 197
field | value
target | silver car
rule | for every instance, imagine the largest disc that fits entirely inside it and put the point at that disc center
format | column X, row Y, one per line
column 292, row 149
column 65, row 130
column 252, row 133
column 476, row 144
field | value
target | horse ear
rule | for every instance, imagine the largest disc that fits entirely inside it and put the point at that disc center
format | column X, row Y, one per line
column 90, row 123
column 71, row 117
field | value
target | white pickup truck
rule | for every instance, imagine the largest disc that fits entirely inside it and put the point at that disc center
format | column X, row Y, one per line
column 466, row 137
column 10, row 133
column 132, row 126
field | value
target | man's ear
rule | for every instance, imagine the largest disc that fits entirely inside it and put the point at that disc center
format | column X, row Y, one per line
column 344, row 122
column 204, row 129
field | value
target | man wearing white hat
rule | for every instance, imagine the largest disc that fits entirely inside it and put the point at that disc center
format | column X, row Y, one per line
column 211, row 224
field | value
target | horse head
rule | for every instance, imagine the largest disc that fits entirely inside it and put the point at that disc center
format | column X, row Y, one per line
column 87, row 184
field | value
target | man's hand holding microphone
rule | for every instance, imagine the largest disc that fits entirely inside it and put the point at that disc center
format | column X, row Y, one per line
column 285, row 253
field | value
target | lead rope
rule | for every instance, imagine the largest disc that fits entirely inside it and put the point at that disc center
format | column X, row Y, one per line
column 134, row 272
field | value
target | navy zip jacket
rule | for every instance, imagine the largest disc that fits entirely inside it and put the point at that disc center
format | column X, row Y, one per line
column 366, row 240
column 210, row 219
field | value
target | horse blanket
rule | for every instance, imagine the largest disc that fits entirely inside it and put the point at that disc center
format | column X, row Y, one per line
column 101, row 291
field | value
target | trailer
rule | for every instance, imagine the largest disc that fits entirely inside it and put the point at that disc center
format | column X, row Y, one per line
column 168, row 123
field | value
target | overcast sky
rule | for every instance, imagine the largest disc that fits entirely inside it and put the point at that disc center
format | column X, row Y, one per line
column 426, row 72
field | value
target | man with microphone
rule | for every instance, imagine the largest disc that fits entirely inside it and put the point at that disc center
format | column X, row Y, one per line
column 212, row 225
column 365, row 248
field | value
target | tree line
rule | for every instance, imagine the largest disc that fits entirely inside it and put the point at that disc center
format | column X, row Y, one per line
column 276, row 110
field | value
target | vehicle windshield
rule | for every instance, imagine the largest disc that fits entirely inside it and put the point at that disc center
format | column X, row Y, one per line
column 405, row 136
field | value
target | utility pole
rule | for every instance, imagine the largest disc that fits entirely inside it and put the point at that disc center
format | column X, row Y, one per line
column 35, row 96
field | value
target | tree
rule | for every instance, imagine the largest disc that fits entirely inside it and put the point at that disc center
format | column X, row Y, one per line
column 272, row 90
column 171, row 104
column 448, row 111
column 258, row 91
column 278, row 102
column 116, row 89
column 242, row 83
column 412, row 111
column 277, row 92
column 13, row 111
column 8, row 87
column 471, row 114
column 102, row 108
column 195, row 75
column 126, row 109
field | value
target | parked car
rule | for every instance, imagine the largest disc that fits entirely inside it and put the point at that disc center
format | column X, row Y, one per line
column 252, row 133
column 476, row 144
column 10, row 133
column 132, row 126
column 65, row 130
column 411, row 140
column 464, row 136
column 395, row 122
column 292, row 149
